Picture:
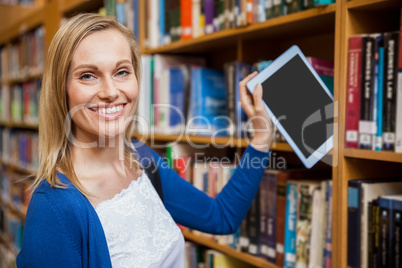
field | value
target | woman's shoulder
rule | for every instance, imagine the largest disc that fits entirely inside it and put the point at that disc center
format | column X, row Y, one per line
column 68, row 200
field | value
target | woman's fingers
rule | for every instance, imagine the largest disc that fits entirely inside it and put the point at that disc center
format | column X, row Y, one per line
column 257, row 97
column 245, row 96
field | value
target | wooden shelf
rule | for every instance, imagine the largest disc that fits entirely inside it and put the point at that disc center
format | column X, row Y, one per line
column 19, row 125
column 373, row 4
column 21, row 79
column 316, row 20
column 13, row 210
column 373, row 155
column 245, row 257
column 228, row 141
column 71, row 7
column 19, row 20
column 16, row 168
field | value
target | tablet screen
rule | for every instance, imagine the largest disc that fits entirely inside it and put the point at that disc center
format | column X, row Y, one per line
column 300, row 104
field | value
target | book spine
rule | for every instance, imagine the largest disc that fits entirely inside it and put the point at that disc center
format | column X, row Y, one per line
column 230, row 88
column 327, row 255
column 379, row 94
column 244, row 241
column 196, row 32
column 292, row 205
column 209, row 16
column 264, row 214
column 253, row 227
column 280, row 219
column 135, row 19
column 242, row 70
column 186, row 19
column 396, row 233
column 398, row 130
column 390, row 81
column 316, row 229
column 271, row 203
column 293, row 6
column 374, row 235
column 221, row 16
column 303, row 227
column 161, row 22
column 277, row 8
column 385, row 220
column 354, row 212
column 367, row 120
column 353, row 92
column 215, row 21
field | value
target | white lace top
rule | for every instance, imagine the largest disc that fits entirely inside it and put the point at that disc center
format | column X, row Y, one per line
column 139, row 230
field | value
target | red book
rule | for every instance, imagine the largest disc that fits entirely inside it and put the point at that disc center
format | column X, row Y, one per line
column 353, row 92
column 249, row 12
column 182, row 167
column 186, row 19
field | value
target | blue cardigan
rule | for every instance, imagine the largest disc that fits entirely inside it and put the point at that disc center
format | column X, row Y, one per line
column 62, row 228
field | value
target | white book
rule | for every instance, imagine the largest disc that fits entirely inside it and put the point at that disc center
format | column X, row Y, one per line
column 316, row 230
column 153, row 23
column 143, row 113
column 398, row 125
column 196, row 18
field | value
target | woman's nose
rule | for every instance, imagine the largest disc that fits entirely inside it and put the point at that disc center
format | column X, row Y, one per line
column 108, row 91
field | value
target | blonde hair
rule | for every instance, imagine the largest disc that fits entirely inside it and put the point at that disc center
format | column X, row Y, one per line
column 55, row 150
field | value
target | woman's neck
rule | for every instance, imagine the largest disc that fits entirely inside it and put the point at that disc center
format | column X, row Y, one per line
column 100, row 157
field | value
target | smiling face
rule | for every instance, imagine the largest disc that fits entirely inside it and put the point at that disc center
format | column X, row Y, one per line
column 102, row 87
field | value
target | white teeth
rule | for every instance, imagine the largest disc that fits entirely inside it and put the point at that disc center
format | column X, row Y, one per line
column 110, row 110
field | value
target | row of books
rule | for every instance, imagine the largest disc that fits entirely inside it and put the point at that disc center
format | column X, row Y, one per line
column 289, row 222
column 199, row 256
column 24, row 56
column 19, row 2
column 180, row 95
column 20, row 104
column 125, row 11
column 173, row 20
column 7, row 257
column 19, row 148
column 374, row 92
column 374, row 222
column 14, row 191
column 11, row 228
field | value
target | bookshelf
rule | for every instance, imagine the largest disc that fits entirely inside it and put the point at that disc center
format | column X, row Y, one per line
column 322, row 32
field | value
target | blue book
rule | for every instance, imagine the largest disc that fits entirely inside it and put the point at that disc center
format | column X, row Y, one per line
column 136, row 21
column 120, row 13
column 380, row 79
column 179, row 87
column 292, row 192
column 261, row 10
column 323, row 2
column 327, row 253
column 161, row 21
column 242, row 70
column 207, row 112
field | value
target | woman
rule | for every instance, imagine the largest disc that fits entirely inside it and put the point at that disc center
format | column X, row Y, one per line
column 93, row 206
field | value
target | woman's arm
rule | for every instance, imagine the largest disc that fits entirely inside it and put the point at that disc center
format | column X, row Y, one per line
column 194, row 209
column 46, row 242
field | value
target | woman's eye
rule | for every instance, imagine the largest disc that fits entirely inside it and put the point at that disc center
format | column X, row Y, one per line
column 123, row 73
column 86, row 77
